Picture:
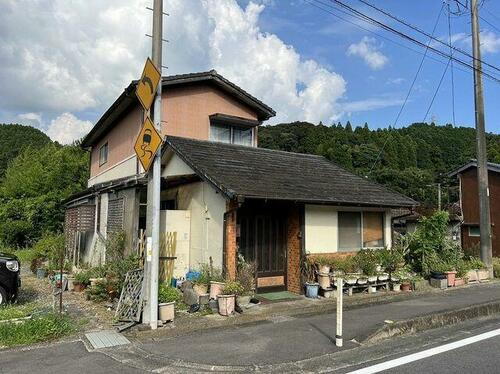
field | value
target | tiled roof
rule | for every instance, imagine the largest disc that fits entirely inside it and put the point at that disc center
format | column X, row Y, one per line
column 249, row 172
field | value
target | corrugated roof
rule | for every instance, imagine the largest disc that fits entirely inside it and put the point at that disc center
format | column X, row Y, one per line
column 473, row 163
column 249, row 172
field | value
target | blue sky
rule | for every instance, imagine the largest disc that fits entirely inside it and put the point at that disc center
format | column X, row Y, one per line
column 65, row 62
column 321, row 36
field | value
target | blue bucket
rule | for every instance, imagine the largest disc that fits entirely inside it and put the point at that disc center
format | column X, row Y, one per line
column 312, row 290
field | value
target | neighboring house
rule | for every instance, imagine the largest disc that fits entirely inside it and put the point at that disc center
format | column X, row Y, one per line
column 223, row 195
column 407, row 220
column 469, row 203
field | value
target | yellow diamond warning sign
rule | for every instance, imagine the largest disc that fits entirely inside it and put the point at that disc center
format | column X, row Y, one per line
column 147, row 143
column 146, row 87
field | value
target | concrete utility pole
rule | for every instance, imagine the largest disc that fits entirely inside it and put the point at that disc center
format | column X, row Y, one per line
column 154, row 184
column 439, row 196
column 482, row 167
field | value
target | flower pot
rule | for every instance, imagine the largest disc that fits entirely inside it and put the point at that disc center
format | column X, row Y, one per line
column 450, row 277
column 166, row 311
column 216, row 289
column 324, row 269
column 394, row 278
column 372, row 289
column 362, row 280
column 200, row 289
column 243, row 301
column 312, row 290
column 483, row 274
column 405, row 287
column 324, row 281
column 383, row 277
column 204, row 299
column 459, row 282
column 351, row 279
column 226, row 304
column 41, row 273
column 396, row 287
column 472, row 276
column 71, row 283
column 78, row 287
column 372, row 278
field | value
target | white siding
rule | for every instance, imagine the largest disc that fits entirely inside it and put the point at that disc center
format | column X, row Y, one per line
column 125, row 168
column 320, row 229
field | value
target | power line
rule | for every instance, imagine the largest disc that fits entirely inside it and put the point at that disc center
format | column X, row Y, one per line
column 408, row 93
column 436, row 91
column 386, row 13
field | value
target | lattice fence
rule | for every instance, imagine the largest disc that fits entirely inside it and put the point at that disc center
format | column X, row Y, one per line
column 77, row 219
column 116, row 208
column 132, row 297
column 168, row 242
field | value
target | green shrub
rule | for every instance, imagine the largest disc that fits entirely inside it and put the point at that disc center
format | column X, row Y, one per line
column 204, row 277
column 83, row 277
column 367, row 260
column 245, row 275
column 168, row 294
column 50, row 247
column 98, row 292
column 496, row 267
column 345, row 264
column 39, row 329
column 390, row 259
column 115, row 246
column 322, row 260
column 233, row 288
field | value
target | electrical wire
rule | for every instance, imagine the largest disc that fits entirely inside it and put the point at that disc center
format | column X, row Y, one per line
column 436, row 91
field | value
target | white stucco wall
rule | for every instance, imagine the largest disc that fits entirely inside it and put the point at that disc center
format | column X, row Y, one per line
column 124, row 168
column 207, row 207
column 321, row 227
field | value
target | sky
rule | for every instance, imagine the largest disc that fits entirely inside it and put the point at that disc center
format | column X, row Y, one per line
column 64, row 62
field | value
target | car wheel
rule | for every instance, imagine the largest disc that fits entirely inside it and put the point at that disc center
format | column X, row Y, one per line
column 3, row 296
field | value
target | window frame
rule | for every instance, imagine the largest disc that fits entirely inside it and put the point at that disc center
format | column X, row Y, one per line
column 104, row 146
column 231, row 133
column 361, row 212
column 474, row 235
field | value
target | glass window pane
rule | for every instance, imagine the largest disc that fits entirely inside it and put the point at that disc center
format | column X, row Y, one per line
column 474, row 231
column 349, row 231
column 242, row 136
column 220, row 133
column 373, row 229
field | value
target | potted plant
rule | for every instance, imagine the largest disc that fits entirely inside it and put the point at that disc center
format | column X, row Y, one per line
column 226, row 300
column 200, row 284
column 473, row 265
column 324, row 264
column 308, row 270
column 245, row 275
column 167, row 297
column 367, row 262
column 217, row 283
column 82, row 280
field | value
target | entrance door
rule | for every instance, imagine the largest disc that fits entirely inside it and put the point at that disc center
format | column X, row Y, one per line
column 263, row 240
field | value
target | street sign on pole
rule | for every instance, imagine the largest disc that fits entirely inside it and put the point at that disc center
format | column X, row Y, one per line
column 147, row 143
column 146, row 87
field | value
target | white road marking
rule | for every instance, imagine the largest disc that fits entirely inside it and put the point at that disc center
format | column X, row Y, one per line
column 424, row 354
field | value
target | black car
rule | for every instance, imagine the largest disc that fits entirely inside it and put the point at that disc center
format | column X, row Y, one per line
column 10, row 279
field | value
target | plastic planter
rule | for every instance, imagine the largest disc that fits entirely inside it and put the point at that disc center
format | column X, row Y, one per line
column 166, row 311
column 324, row 281
column 450, row 277
column 226, row 304
column 312, row 290
column 216, row 289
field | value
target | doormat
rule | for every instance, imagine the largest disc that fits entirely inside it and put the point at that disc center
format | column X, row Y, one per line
column 282, row 295
column 106, row 338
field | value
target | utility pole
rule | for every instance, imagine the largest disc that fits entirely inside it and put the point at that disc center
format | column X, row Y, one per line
column 439, row 196
column 153, row 258
column 482, row 167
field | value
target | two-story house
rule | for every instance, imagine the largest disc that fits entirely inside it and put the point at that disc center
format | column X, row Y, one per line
column 222, row 194
column 469, row 204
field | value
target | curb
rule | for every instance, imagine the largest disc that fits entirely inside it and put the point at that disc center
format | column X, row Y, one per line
column 432, row 321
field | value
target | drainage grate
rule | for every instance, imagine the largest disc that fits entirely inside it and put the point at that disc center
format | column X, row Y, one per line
column 105, row 339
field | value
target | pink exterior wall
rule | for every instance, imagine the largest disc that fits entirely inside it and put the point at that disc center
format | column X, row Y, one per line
column 120, row 140
column 186, row 112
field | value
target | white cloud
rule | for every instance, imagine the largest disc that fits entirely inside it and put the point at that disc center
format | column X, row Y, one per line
column 66, row 128
column 395, row 81
column 370, row 104
column 490, row 41
column 368, row 50
column 66, row 57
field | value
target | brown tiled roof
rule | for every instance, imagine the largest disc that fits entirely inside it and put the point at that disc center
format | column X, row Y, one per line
column 249, row 172
column 127, row 100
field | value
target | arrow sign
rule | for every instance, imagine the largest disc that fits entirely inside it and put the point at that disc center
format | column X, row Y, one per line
column 147, row 143
column 146, row 87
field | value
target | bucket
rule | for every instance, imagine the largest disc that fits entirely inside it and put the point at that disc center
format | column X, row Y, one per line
column 226, row 304
column 166, row 311
column 216, row 289
column 324, row 281
column 312, row 290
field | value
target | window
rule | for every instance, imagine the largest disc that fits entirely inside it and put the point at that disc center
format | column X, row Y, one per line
column 474, row 231
column 231, row 134
column 103, row 154
column 360, row 230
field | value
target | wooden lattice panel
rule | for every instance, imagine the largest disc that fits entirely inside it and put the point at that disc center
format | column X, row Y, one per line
column 131, row 299
column 116, row 209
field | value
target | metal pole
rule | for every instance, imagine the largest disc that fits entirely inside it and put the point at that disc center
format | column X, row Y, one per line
column 338, row 335
column 439, row 196
column 482, row 168
column 154, row 178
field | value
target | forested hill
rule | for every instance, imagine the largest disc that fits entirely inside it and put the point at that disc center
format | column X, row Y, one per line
column 14, row 138
column 411, row 158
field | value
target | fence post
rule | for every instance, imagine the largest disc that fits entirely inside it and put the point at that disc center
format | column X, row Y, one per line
column 338, row 335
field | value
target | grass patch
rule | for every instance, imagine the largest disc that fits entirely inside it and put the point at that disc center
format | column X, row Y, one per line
column 39, row 329
column 25, row 255
column 12, row 311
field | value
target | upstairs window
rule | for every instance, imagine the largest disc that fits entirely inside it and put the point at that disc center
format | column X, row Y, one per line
column 231, row 134
column 103, row 154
